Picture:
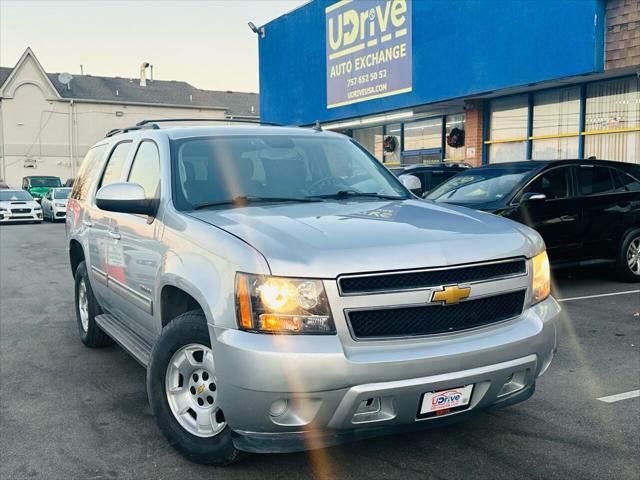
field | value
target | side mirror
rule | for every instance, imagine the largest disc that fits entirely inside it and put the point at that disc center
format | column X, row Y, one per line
column 125, row 197
column 411, row 183
column 533, row 197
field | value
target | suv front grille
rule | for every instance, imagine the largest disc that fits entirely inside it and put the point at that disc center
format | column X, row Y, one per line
column 381, row 283
column 431, row 319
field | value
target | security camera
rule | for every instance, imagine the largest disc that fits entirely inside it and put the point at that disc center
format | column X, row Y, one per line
column 256, row 30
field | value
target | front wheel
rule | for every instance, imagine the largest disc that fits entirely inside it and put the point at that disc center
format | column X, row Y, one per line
column 87, row 308
column 183, row 392
column 629, row 257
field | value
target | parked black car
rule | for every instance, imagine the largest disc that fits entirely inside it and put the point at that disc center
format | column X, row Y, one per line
column 431, row 175
column 588, row 211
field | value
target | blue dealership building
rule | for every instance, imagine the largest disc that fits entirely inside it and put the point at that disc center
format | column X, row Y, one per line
column 481, row 81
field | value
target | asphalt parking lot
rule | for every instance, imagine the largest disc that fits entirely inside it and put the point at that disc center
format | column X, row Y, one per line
column 69, row 412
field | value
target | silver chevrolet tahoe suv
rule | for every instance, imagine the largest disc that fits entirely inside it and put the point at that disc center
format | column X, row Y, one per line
column 286, row 292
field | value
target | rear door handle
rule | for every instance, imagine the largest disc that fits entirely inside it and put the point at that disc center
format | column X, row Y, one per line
column 114, row 235
column 87, row 223
column 568, row 218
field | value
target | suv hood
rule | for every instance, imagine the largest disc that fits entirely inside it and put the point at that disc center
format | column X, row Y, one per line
column 326, row 239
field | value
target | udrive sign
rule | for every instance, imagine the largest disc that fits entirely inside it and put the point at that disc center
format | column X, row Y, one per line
column 368, row 50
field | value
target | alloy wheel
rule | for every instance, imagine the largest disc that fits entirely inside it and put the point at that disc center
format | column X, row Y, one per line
column 83, row 305
column 191, row 391
column 633, row 256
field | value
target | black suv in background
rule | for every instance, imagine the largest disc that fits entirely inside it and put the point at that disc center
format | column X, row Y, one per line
column 588, row 211
column 431, row 175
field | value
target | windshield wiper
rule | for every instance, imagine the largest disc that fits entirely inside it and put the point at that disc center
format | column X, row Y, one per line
column 243, row 200
column 354, row 193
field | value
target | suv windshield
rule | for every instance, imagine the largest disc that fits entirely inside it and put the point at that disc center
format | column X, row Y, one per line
column 45, row 182
column 221, row 170
column 478, row 186
column 14, row 196
column 61, row 193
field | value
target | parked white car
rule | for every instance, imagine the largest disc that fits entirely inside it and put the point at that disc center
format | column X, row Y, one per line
column 19, row 206
column 54, row 204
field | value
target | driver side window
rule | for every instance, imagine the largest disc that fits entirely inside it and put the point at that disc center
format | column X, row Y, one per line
column 555, row 184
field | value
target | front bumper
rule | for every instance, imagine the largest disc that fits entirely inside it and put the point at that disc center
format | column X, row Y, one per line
column 21, row 217
column 59, row 213
column 291, row 393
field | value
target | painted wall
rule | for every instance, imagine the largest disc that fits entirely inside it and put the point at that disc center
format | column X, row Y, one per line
column 460, row 48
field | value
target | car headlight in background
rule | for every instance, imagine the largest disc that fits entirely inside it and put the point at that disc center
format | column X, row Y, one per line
column 269, row 304
column 37, row 208
column 60, row 205
column 541, row 277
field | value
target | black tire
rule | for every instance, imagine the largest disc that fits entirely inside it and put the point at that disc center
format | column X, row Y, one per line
column 624, row 271
column 190, row 327
column 93, row 336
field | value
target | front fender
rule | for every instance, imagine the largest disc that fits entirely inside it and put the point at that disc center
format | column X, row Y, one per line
column 206, row 268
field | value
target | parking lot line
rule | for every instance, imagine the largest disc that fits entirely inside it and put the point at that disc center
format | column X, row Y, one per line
column 620, row 396
column 597, row 296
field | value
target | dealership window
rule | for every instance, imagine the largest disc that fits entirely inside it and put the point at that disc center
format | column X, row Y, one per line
column 454, row 122
column 612, row 120
column 508, row 129
column 556, row 124
column 423, row 134
column 423, row 141
column 370, row 138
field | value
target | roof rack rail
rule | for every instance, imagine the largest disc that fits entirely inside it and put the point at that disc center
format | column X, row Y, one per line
column 117, row 131
column 222, row 120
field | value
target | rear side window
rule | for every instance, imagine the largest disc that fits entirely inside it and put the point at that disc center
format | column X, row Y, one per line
column 595, row 180
column 439, row 177
column 145, row 170
column 83, row 178
column 554, row 184
column 115, row 164
column 625, row 182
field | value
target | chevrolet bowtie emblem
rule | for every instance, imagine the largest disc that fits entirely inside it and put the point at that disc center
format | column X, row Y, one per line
column 451, row 294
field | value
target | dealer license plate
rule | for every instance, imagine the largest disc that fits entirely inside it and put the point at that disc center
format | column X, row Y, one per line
column 446, row 401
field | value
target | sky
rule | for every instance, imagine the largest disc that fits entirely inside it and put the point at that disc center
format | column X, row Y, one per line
column 206, row 43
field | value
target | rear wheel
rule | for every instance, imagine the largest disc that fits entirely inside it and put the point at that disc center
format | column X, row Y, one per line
column 629, row 257
column 183, row 392
column 87, row 309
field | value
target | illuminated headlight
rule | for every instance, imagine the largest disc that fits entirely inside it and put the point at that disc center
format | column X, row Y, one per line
column 268, row 304
column 541, row 277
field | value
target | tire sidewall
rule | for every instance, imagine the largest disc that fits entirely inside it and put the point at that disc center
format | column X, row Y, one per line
column 625, row 271
column 94, row 309
column 185, row 329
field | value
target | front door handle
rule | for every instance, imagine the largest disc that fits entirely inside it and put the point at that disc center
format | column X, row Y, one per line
column 87, row 223
column 114, row 235
column 568, row 218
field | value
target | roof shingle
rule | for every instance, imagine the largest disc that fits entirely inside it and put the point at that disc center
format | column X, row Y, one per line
column 160, row 92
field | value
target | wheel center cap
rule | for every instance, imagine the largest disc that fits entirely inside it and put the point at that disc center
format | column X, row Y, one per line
column 200, row 389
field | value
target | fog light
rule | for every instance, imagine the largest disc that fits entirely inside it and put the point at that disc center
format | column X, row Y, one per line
column 279, row 407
